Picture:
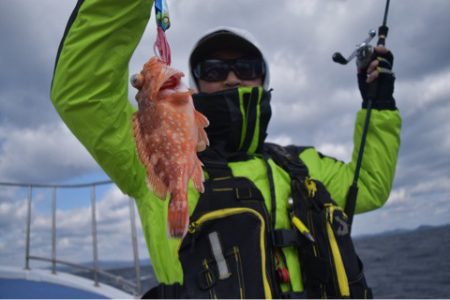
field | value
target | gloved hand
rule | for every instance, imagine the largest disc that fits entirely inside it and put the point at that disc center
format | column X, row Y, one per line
column 379, row 70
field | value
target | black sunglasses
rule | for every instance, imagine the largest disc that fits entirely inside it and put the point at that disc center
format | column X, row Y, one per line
column 217, row 69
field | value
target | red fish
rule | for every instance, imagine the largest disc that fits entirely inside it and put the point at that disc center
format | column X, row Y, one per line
column 169, row 132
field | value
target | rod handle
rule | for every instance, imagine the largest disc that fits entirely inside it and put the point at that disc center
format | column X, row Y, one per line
column 382, row 34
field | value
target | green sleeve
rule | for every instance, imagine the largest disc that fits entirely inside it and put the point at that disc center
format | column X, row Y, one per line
column 90, row 92
column 378, row 165
column 90, row 84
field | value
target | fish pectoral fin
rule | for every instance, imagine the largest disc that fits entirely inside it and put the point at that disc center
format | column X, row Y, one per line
column 203, row 141
column 156, row 185
column 197, row 176
column 201, row 120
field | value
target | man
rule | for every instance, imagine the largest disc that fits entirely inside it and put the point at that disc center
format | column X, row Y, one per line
column 246, row 191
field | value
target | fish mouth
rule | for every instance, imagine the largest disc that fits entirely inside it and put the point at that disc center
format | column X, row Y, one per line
column 174, row 84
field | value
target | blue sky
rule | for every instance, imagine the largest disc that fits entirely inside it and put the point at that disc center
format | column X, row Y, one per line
column 314, row 103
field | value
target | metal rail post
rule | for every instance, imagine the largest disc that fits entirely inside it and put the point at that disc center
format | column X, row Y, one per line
column 134, row 242
column 94, row 236
column 27, row 241
column 54, row 231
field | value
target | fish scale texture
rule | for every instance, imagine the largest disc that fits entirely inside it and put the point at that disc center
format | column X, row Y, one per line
column 169, row 132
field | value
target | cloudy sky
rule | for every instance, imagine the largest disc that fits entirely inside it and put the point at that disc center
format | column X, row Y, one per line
column 314, row 103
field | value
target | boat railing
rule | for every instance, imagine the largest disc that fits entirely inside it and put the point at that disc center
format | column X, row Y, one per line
column 129, row 286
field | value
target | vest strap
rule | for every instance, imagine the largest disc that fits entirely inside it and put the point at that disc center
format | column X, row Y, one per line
column 286, row 238
column 217, row 169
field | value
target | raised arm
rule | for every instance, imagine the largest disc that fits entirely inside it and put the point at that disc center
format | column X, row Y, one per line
column 382, row 144
column 90, row 84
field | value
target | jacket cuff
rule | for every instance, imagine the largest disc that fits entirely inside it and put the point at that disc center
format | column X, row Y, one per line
column 381, row 104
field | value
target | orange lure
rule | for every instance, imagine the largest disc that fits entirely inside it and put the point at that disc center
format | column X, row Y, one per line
column 169, row 132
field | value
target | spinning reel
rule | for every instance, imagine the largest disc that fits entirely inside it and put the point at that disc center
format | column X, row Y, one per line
column 363, row 52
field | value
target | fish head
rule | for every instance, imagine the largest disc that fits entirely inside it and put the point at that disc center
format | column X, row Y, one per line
column 158, row 80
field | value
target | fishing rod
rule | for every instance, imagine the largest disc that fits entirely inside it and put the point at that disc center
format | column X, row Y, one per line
column 364, row 54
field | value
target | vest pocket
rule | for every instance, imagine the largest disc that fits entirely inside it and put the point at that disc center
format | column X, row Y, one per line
column 225, row 249
column 234, row 281
column 349, row 278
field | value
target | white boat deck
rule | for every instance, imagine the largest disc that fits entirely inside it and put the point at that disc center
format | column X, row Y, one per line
column 16, row 283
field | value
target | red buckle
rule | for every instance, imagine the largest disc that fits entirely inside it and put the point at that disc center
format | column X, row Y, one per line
column 283, row 275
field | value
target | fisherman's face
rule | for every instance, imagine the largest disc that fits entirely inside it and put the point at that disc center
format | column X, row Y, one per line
column 232, row 80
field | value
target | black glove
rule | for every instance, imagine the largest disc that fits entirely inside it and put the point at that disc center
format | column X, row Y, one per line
column 385, row 83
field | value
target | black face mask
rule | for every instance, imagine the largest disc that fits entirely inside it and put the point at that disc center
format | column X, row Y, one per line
column 238, row 118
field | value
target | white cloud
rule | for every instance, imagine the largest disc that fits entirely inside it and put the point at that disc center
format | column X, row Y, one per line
column 288, row 72
column 293, row 114
column 339, row 151
column 44, row 154
column 421, row 93
column 431, row 186
column 280, row 139
column 301, row 8
column 408, row 208
column 399, row 196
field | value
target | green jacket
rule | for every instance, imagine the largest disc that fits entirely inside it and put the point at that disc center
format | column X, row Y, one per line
column 90, row 92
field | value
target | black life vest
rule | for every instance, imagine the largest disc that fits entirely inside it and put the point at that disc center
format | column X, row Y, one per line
column 227, row 252
column 229, row 249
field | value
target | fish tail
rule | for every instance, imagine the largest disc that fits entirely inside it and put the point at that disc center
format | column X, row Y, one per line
column 178, row 216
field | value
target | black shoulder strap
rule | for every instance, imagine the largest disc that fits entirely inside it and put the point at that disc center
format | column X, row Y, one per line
column 215, row 163
column 288, row 158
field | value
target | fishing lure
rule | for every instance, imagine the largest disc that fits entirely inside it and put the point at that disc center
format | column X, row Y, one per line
column 161, row 46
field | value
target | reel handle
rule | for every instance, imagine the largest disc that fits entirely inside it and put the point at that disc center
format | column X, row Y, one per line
column 358, row 52
column 339, row 58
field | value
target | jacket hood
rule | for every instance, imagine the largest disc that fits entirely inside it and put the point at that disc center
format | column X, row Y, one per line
column 227, row 37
